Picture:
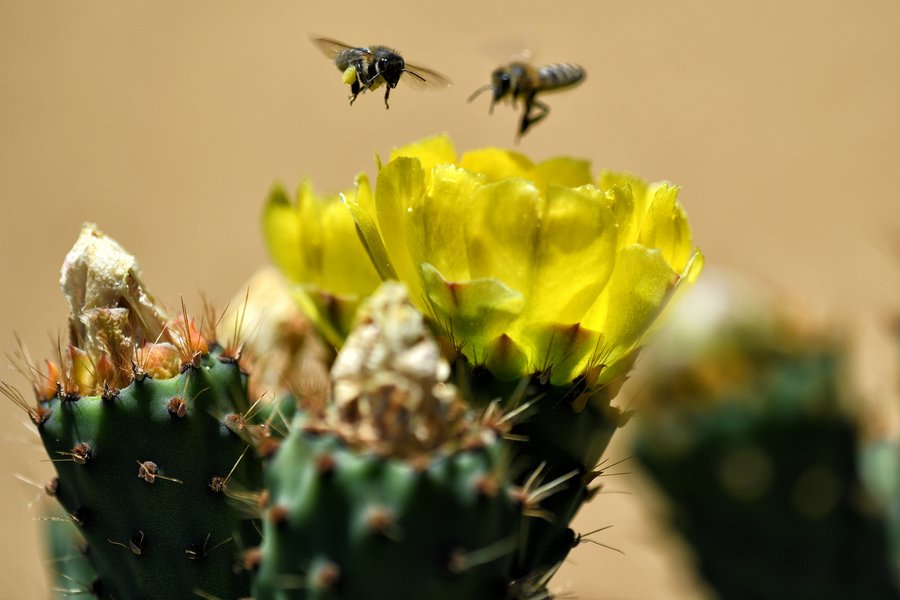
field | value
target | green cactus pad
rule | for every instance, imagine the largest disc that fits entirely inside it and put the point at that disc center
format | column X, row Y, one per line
column 345, row 524
column 561, row 431
column 149, row 475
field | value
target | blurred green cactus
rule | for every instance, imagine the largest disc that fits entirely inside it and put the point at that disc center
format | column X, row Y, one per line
column 743, row 432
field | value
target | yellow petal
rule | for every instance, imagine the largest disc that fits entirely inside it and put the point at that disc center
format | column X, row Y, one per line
column 345, row 268
column 562, row 171
column 495, row 164
column 694, row 267
column 502, row 232
column 620, row 200
column 400, row 186
column 560, row 350
column 666, row 227
column 281, row 231
column 309, row 214
column 575, row 256
column 639, row 190
column 470, row 312
column 432, row 151
column 438, row 220
column 505, row 359
column 362, row 208
column 637, row 291
column 333, row 315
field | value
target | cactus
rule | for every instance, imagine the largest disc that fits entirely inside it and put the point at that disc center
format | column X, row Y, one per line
column 145, row 429
column 396, row 491
column 743, row 433
column 464, row 420
column 540, row 281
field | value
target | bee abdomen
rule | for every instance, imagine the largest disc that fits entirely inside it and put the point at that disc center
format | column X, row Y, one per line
column 560, row 75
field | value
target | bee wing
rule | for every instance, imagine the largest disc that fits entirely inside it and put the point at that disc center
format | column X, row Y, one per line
column 423, row 78
column 331, row 47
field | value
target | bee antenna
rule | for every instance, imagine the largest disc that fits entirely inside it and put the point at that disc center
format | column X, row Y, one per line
column 479, row 91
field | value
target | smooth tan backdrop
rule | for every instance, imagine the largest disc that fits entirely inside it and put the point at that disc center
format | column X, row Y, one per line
column 166, row 122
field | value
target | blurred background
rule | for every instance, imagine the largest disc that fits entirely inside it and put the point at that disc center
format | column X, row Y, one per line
column 166, row 123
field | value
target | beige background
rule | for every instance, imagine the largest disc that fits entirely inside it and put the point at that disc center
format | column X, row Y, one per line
column 166, row 122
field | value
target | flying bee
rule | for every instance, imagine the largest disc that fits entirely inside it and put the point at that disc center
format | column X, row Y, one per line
column 371, row 67
column 522, row 81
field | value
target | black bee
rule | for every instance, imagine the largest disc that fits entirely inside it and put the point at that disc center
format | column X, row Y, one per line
column 370, row 67
column 520, row 80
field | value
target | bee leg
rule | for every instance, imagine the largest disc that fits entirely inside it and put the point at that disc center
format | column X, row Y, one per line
column 354, row 91
column 531, row 116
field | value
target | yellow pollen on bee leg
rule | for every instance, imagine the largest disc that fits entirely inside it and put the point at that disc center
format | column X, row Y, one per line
column 349, row 75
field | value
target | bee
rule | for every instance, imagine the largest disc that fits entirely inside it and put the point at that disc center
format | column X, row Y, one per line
column 371, row 67
column 522, row 81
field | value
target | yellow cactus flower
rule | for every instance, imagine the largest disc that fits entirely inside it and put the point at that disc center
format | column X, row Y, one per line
column 313, row 241
column 527, row 267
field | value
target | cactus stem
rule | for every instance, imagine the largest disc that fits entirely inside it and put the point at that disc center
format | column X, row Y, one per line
column 325, row 463
column 66, row 394
column 487, row 486
column 584, row 538
column 461, row 561
column 80, row 454
column 149, row 472
column 190, row 344
column 66, row 387
column 233, row 350
column 277, row 515
column 109, row 393
column 196, row 553
column 177, row 407
column 251, row 559
column 380, row 521
column 600, row 471
column 138, row 374
column 217, row 484
column 235, row 423
column 532, row 493
column 43, row 386
column 135, row 544
column 220, row 484
column 86, row 588
column 79, row 516
column 37, row 413
column 326, row 576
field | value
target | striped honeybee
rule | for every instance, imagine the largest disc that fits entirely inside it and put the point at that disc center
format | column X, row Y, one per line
column 522, row 81
column 370, row 67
